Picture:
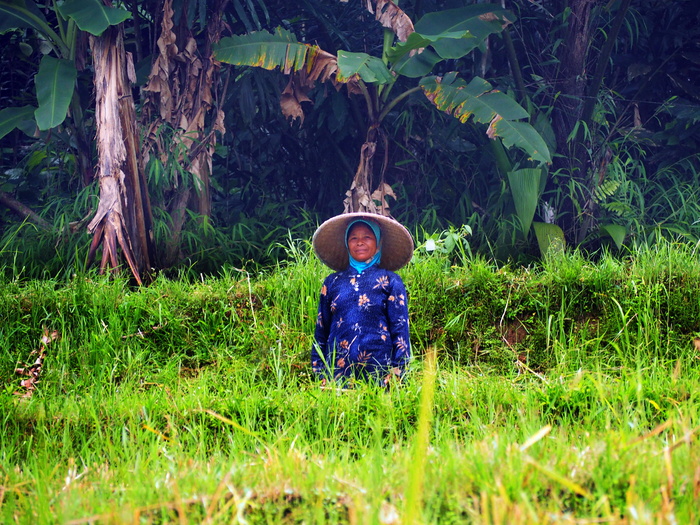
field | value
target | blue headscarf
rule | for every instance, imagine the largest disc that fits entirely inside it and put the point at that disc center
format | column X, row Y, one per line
column 360, row 266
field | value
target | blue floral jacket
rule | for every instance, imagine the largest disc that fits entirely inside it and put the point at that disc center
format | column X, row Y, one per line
column 362, row 325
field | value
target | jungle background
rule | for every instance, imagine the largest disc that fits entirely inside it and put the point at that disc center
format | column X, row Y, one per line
column 209, row 169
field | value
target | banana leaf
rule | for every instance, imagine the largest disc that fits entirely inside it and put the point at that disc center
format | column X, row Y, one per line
column 550, row 237
column 451, row 34
column 368, row 68
column 266, row 50
column 616, row 232
column 92, row 15
column 457, row 32
column 525, row 188
column 498, row 110
column 10, row 118
column 55, row 84
column 20, row 14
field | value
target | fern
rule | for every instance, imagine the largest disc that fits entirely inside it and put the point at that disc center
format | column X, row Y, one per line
column 619, row 208
column 606, row 190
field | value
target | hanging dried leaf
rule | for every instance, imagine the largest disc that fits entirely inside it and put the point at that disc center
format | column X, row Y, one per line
column 392, row 17
column 322, row 66
column 159, row 79
column 187, row 105
column 291, row 98
column 379, row 198
column 493, row 17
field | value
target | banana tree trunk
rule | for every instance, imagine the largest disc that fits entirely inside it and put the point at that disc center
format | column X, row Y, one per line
column 360, row 197
column 123, row 219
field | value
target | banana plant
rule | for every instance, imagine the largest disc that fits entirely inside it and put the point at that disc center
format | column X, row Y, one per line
column 408, row 51
column 55, row 80
column 123, row 217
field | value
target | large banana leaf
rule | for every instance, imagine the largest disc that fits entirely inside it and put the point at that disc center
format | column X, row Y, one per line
column 451, row 34
column 368, row 68
column 456, row 32
column 92, row 15
column 521, row 135
column 281, row 50
column 499, row 111
column 10, row 118
column 525, row 188
column 55, row 83
column 266, row 50
column 19, row 13
column 416, row 65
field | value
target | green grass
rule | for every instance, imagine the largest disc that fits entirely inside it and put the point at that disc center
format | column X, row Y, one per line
column 562, row 393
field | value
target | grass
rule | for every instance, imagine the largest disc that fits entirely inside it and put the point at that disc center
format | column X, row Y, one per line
column 563, row 393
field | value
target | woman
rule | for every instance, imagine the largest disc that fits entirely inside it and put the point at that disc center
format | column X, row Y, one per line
column 362, row 324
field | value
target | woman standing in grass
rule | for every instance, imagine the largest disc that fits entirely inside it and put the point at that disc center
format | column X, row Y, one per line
column 362, row 324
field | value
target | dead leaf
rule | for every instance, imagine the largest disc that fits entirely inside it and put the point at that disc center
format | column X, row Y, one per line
column 34, row 371
column 291, row 98
column 392, row 17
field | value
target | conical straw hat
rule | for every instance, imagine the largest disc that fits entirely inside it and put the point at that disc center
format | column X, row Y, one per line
column 395, row 241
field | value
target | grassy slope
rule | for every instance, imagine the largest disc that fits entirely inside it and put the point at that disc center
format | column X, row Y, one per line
column 562, row 393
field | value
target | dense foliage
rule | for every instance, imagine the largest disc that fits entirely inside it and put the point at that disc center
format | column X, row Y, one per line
column 620, row 116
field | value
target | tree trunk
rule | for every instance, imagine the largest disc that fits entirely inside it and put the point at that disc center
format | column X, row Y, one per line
column 582, row 158
column 123, row 219
column 572, row 79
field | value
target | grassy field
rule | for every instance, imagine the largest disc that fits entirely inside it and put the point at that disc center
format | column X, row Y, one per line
column 563, row 393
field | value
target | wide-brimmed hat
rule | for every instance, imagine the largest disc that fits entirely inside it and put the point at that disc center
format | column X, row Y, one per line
column 395, row 241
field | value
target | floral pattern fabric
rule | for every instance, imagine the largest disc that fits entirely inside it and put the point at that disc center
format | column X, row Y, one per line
column 362, row 325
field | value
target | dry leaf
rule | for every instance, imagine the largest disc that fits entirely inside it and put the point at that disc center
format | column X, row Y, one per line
column 392, row 17
column 34, row 371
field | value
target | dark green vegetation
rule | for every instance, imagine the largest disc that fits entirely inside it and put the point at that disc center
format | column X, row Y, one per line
column 564, row 392
column 619, row 115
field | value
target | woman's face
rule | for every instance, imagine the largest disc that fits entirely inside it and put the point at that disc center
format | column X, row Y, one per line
column 362, row 243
